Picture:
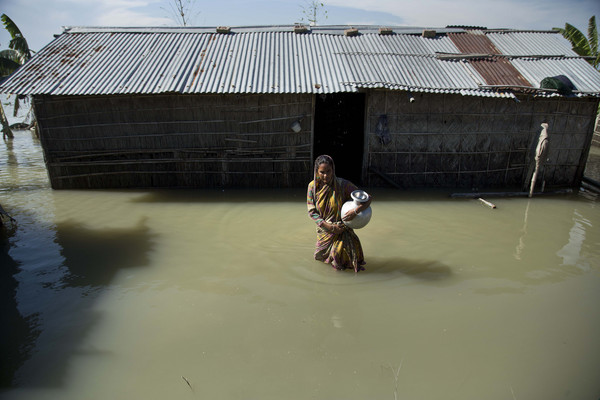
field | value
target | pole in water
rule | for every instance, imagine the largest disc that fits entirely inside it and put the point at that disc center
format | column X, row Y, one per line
column 541, row 152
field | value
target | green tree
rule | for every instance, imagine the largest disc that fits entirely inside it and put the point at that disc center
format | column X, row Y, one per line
column 582, row 45
column 10, row 60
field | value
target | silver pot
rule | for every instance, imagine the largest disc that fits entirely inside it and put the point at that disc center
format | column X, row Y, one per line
column 363, row 217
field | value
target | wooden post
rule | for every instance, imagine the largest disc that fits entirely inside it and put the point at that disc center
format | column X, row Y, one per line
column 541, row 153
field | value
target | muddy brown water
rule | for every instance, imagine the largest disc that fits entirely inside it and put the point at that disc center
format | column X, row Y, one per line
column 214, row 294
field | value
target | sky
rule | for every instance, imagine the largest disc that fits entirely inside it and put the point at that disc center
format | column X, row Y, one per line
column 40, row 20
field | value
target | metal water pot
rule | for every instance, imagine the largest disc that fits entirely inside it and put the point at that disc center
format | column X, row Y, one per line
column 363, row 217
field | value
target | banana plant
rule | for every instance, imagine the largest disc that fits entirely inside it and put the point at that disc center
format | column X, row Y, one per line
column 584, row 46
column 10, row 60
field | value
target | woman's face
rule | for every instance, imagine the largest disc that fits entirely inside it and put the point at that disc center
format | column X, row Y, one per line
column 325, row 173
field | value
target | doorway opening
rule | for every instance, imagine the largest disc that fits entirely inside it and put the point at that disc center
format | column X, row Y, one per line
column 339, row 132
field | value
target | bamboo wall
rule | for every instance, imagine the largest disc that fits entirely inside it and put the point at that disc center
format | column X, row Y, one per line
column 596, row 138
column 207, row 141
column 445, row 140
column 215, row 141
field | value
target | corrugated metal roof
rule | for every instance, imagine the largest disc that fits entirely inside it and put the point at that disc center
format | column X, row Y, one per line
column 580, row 73
column 405, row 61
column 494, row 70
column 499, row 71
column 473, row 43
column 158, row 62
column 531, row 43
column 95, row 61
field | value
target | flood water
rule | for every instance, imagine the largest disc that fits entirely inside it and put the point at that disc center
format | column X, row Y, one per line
column 156, row 294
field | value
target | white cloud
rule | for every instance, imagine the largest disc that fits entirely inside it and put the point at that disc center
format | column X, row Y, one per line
column 126, row 17
column 122, row 12
column 108, row 4
column 523, row 14
column 40, row 19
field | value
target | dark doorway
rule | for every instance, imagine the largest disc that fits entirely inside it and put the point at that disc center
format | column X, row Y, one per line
column 339, row 132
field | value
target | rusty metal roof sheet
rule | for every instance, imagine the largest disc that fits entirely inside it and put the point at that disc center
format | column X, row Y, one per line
column 473, row 43
column 499, row 71
column 494, row 70
column 97, row 61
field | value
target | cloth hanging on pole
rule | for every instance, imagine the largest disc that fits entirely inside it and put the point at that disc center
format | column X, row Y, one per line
column 541, row 153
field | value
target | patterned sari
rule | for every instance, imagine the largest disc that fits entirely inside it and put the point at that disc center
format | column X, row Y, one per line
column 324, row 203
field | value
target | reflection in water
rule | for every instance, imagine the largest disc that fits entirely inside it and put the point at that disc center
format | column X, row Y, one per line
column 17, row 333
column 67, row 294
column 521, row 244
column 571, row 251
column 94, row 256
column 11, row 160
column 120, row 294
column 424, row 270
column 385, row 269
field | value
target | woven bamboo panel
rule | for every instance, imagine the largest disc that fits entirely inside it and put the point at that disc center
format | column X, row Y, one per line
column 176, row 140
column 462, row 141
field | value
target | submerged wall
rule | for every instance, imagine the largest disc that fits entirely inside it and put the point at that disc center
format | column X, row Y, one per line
column 446, row 140
column 206, row 141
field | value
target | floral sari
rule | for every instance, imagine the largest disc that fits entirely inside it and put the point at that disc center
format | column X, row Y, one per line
column 324, row 203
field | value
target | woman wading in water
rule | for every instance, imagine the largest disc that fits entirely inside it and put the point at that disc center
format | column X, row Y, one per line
column 337, row 244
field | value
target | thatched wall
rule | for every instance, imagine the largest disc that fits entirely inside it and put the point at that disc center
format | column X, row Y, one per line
column 176, row 140
column 596, row 139
column 213, row 141
column 444, row 140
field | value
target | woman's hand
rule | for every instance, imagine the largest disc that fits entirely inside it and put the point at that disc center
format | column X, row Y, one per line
column 350, row 214
column 336, row 228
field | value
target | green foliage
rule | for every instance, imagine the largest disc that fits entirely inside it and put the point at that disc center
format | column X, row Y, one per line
column 582, row 45
column 18, row 41
column 593, row 40
column 9, row 62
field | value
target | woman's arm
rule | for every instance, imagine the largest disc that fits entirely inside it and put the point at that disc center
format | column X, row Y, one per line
column 313, row 213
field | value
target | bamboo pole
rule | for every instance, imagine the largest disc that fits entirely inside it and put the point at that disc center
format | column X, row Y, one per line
column 506, row 194
column 541, row 152
column 487, row 203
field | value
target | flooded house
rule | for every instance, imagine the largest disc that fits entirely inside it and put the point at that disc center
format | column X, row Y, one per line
column 251, row 107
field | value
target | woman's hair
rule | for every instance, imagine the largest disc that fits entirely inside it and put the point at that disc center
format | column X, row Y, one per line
column 324, row 159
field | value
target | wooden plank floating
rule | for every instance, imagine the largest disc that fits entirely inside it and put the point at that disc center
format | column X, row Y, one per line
column 487, row 203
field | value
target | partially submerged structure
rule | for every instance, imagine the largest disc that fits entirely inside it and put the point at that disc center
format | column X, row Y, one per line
column 253, row 106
